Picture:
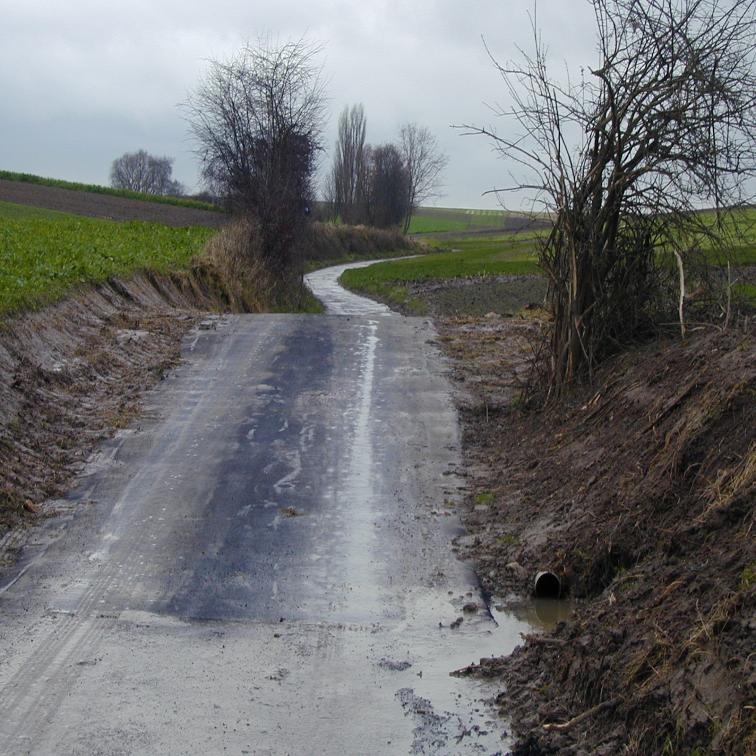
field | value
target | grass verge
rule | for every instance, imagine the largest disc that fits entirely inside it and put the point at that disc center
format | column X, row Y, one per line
column 471, row 257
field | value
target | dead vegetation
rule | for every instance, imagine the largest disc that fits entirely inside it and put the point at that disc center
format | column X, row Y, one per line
column 244, row 280
column 326, row 241
column 639, row 492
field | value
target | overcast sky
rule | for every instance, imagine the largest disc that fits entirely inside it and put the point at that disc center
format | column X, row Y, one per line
column 84, row 81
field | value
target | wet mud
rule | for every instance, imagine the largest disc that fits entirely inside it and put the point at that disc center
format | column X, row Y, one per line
column 262, row 559
column 638, row 492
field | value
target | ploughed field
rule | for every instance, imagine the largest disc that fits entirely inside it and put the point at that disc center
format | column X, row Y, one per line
column 103, row 204
column 435, row 220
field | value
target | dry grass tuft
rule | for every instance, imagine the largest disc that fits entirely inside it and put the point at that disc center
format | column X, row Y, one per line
column 329, row 242
column 233, row 256
column 234, row 262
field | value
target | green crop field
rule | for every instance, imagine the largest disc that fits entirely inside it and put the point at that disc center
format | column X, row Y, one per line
column 44, row 254
column 431, row 220
column 442, row 219
column 11, row 211
column 29, row 178
column 740, row 247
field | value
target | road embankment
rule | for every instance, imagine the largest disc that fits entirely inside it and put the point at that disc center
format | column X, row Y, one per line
column 73, row 373
column 638, row 492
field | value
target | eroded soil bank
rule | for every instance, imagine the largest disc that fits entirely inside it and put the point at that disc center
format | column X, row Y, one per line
column 639, row 492
column 73, row 373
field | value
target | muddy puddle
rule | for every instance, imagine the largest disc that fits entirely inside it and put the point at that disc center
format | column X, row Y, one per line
column 541, row 614
column 456, row 711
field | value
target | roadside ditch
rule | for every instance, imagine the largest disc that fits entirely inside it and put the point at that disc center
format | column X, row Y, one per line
column 638, row 493
column 73, row 374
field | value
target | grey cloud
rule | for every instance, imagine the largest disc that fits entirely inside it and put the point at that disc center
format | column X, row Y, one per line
column 85, row 81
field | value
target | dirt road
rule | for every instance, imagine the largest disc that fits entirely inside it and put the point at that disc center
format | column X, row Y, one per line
column 263, row 564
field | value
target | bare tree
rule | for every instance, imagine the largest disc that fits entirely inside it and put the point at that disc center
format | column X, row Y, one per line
column 142, row 172
column 661, row 127
column 388, row 187
column 424, row 162
column 257, row 120
column 348, row 176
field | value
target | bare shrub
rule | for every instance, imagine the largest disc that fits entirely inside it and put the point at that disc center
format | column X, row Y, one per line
column 623, row 158
column 257, row 120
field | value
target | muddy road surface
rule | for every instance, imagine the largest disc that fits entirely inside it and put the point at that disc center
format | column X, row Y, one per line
column 263, row 564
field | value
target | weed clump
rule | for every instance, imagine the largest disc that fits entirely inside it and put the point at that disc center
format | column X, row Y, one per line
column 233, row 263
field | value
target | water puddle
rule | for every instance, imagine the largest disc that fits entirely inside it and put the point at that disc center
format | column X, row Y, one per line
column 541, row 614
column 455, row 713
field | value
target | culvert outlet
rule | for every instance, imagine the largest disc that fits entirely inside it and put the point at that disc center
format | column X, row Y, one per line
column 547, row 585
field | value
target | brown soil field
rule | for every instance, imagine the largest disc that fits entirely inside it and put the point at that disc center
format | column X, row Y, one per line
column 106, row 206
column 639, row 492
column 479, row 295
column 511, row 223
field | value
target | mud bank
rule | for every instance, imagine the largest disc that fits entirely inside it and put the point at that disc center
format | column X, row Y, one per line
column 73, row 373
column 639, row 493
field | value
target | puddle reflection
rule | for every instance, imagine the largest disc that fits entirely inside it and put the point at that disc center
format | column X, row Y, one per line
column 543, row 614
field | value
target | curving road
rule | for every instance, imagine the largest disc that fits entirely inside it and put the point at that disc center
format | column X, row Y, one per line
column 264, row 564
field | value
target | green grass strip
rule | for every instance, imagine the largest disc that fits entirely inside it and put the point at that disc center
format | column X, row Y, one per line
column 12, row 211
column 505, row 254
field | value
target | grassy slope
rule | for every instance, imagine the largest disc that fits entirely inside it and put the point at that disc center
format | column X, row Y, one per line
column 507, row 253
column 441, row 219
column 44, row 254
column 30, row 178
column 501, row 254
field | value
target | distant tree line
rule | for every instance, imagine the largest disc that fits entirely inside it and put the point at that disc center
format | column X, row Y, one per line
column 257, row 120
column 141, row 172
column 381, row 185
